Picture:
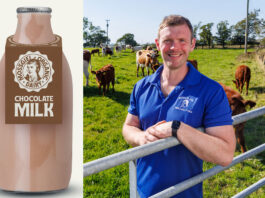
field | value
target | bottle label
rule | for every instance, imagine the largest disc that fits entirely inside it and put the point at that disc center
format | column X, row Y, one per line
column 33, row 83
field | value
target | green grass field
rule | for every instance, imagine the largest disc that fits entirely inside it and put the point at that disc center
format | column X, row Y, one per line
column 104, row 117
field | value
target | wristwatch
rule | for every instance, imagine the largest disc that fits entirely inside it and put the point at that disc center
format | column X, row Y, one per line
column 175, row 126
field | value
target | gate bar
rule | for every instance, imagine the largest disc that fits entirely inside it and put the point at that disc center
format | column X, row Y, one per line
column 248, row 115
column 116, row 159
column 127, row 155
column 173, row 190
column 250, row 189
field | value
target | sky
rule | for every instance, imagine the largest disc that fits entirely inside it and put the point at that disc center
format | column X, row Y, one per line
column 142, row 17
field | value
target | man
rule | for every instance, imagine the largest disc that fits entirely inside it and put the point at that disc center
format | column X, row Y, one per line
column 33, row 68
column 174, row 101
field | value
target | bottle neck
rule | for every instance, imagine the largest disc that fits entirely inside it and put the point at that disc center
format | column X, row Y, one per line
column 34, row 28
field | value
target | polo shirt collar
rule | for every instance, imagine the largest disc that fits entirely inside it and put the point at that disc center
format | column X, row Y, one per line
column 155, row 78
column 193, row 77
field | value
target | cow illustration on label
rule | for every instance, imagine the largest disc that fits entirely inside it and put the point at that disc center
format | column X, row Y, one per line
column 33, row 71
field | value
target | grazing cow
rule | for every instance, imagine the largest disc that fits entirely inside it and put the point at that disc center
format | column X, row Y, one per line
column 104, row 76
column 242, row 76
column 146, row 58
column 238, row 106
column 94, row 51
column 155, row 67
column 86, row 63
column 118, row 49
column 194, row 63
column 156, row 51
column 149, row 48
column 107, row 51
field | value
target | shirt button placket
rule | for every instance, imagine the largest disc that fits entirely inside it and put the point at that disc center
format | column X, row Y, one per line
column 163, row 111
column 161, row 115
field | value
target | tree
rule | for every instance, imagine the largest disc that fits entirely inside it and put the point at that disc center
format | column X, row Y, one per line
column 206, row 34
column 195, row 29
column 238, row 35
column 127, row 39
column 85, row 23
column 93, row 35
column 195, row 32
column 256, row 26
column 223, row 33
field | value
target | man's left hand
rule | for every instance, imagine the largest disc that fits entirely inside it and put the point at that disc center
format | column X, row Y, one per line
column 162, row 130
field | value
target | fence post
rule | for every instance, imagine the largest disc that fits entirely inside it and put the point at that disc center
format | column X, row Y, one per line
column 133, row 179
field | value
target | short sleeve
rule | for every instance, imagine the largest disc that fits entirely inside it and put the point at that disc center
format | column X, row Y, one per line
column 217, row 111
column 133, row 104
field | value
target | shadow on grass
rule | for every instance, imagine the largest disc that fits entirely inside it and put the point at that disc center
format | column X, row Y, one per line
column 120, row 97
column 259, row 90
column 255, row 135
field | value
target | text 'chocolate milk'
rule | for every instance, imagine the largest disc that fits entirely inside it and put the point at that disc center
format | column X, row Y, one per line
column 35, row 107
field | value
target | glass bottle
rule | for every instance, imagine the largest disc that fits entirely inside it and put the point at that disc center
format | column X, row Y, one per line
column 36, row 157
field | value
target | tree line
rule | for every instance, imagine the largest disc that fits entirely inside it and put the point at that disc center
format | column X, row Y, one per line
column 225, row 34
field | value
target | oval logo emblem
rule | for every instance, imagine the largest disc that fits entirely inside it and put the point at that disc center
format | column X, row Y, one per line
column 33, row 71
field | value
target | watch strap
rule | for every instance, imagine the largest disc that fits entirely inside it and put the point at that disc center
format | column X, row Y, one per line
column 175, row 126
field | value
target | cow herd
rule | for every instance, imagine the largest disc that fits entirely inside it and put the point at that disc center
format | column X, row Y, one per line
column 237, row 103
column 106, row 75
column 149, row 59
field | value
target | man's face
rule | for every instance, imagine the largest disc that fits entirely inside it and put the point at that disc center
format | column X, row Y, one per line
column 32, row 68
column 175, row 45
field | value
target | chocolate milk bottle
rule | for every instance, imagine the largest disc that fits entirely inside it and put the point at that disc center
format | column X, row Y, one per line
column 36, row 157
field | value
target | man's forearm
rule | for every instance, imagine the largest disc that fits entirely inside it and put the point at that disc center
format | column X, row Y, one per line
column 210, row 148
column 132, row 135
column 217, row 145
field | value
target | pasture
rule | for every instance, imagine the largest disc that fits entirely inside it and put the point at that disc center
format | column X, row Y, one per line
column 104, row 117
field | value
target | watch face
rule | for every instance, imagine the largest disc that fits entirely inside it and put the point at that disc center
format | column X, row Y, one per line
column 175, row 124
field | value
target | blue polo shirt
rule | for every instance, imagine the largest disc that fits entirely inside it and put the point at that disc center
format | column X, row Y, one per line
column 197, row 101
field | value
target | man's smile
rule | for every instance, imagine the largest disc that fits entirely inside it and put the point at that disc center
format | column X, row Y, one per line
column 174, row 54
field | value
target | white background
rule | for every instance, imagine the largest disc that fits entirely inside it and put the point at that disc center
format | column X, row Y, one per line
column 67, row 22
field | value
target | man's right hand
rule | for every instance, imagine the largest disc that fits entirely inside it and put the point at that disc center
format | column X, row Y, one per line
column 148, row 134
column 134, row 135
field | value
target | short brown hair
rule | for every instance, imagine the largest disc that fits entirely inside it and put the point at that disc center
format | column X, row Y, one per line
column 174, row 20
column 37, row 63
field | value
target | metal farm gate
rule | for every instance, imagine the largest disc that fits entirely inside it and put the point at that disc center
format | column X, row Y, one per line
column 132, row 154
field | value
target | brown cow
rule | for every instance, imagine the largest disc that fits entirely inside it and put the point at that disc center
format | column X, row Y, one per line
column 242, row 76
column 104, row 76
column 156, row 51
column 118, row 49
column 194, row 63
column 238, row 106
column 155, row 67
column 149, row 48
column 86, row 63
column 146, row 58
column 107, row 51
column 94, row 51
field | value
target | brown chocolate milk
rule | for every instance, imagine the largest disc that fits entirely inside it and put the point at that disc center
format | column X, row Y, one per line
column 36, row 157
